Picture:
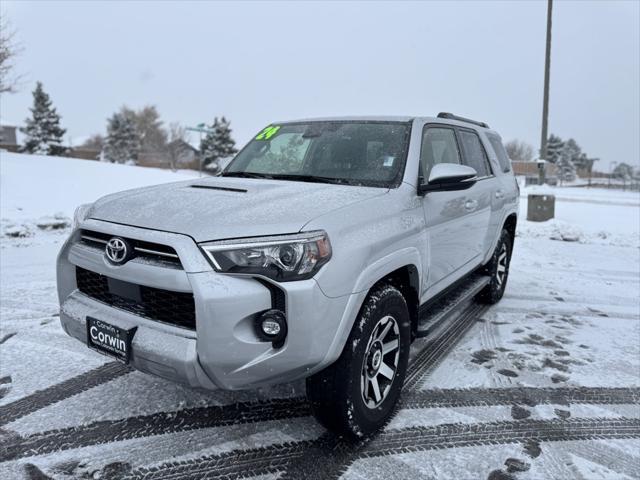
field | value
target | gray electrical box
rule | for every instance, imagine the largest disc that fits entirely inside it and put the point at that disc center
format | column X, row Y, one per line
column 541, row 208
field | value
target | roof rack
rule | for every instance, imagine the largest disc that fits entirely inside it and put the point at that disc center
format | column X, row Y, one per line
column 451, row 116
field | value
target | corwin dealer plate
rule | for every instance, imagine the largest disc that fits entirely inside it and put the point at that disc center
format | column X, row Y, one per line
column 109, row 339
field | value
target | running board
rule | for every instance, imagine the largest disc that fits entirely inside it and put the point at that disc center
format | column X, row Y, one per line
column 451, row 304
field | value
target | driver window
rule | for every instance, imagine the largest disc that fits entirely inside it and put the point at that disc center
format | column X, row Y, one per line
column 438, row 146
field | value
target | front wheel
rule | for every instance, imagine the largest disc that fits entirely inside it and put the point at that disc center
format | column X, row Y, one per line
column 356, row 395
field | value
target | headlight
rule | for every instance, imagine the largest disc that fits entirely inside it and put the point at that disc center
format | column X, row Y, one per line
column 282, row 258
column 80, row 214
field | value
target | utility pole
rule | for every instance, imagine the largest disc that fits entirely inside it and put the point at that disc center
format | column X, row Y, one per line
column 545, row 101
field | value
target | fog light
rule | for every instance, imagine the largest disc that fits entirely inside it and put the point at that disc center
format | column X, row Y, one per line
column 272, row 326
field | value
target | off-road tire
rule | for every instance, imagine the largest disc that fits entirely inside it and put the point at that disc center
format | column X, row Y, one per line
column 335, row 394
column 493, row 292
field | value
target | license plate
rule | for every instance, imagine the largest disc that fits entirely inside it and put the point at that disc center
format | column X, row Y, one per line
column 109, row 339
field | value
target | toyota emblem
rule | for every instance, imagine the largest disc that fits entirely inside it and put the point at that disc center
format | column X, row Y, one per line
column 117, row 250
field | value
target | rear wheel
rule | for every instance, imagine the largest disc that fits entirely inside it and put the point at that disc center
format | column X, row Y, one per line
column 498, row 269
column 356, row 395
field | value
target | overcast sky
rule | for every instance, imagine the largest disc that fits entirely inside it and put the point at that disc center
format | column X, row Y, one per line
column 260, row 62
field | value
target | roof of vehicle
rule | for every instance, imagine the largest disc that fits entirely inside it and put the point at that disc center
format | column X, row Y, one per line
column 387, row 118
column 361, row 118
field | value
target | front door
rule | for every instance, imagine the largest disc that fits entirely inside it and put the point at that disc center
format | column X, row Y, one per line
column 453, row 219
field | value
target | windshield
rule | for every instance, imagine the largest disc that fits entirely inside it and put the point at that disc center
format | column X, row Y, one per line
column 355, row 153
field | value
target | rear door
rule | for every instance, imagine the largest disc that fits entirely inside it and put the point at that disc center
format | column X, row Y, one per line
column 481, row 204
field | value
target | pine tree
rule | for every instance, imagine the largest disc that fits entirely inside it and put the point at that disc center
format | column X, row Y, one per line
column 151, row 135
column 43, row 131
column 554, row 148
column 226, row 144
column 207, row 151
column 217, row 144
column 573, row 150
column 566, row 167
column 122, row 143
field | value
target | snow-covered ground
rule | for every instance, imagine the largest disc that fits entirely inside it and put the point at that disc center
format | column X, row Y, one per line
column 546, row 384
column 41, row 193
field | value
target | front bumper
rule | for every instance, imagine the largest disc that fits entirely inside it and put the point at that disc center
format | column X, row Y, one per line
column 224, row 351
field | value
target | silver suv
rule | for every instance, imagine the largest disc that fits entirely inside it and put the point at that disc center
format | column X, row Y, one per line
column 316, row 254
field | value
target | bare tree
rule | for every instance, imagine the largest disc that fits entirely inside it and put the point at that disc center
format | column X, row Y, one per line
column 519, row 151
column 9, row 50
column 94, row 142
column 177, row 146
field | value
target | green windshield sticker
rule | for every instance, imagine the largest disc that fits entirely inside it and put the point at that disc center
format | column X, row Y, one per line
column 268, row 132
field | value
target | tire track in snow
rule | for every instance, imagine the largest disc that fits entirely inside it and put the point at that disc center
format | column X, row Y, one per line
column 609, row 301
column 61, row 391
column 280, row 458
column 161, row 423
column 568, row 311
column 489, row 341
column 601, row 454
column 434, row 350
column 108, row 431
column 479, row 397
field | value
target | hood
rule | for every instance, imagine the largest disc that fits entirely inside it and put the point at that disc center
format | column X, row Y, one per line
column 219, row 208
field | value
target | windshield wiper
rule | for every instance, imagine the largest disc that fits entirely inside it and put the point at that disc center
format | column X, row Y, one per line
column 313, row 178
column 246, row 175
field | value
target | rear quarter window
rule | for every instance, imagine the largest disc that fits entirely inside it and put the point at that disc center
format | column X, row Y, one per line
column 501, row 153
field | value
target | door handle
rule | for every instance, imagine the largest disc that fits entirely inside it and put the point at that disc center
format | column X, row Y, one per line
column 470, row 204
column 499, row 194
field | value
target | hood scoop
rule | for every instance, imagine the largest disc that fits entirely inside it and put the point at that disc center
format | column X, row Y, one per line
column 225, row 189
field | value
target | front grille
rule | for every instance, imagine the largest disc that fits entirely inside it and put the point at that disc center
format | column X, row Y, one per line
column 174, row 308
column 154, row 253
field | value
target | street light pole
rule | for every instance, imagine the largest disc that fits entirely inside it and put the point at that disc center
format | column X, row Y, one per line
column 545, row 100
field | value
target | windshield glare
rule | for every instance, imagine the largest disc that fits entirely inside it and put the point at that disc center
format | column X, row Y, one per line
column 358, row 153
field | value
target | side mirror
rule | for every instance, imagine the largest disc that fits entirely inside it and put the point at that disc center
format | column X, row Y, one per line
column 447, row 177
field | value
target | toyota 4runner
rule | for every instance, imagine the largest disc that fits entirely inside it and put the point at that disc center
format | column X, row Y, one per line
column 316, row 253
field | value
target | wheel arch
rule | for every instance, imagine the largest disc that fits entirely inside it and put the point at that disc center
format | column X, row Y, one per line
column 402, row 269
column 510, row 226
column 407, row 280
column 509, row 223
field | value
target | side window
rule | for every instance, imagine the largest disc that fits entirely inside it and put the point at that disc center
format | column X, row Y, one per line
column 474, row 154
column 503, row 158
column 438, row 146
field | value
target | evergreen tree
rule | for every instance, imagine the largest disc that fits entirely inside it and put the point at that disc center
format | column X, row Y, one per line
column 573, row 150
column 554, row 148
column 43, row 131
column 217, row 144
column 208, row 155
column 623, row 171
column 122, row 143
column 152, row 137
column 584, row 162
column 566, row 168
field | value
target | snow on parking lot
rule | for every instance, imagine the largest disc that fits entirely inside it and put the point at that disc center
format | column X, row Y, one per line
column 545, row 384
